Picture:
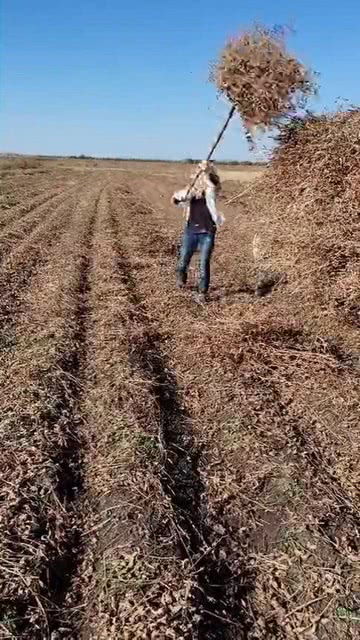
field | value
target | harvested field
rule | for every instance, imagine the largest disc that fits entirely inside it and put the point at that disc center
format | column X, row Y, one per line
column 167, row 470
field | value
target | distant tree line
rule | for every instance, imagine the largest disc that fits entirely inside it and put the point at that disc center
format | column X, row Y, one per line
column 82, row 156
column 231, row 162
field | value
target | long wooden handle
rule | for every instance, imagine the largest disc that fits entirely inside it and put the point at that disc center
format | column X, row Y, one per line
column 220, row 135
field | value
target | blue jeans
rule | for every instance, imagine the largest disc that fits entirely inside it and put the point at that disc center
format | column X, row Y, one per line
column 192, row 241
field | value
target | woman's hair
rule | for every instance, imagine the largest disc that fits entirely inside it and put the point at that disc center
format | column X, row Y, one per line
column 214, row 178
column 206, row 175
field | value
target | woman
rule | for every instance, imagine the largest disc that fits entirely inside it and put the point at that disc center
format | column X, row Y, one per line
column 202, row 220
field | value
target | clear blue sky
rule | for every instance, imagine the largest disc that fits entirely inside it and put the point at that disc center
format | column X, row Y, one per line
column 123, row 78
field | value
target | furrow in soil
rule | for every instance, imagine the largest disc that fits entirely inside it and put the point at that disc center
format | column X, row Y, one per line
column 42, row 436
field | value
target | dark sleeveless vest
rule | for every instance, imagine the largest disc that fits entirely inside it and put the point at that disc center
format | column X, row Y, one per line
column 200, row 220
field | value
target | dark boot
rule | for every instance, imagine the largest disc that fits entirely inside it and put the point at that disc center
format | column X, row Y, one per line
column 181, row 280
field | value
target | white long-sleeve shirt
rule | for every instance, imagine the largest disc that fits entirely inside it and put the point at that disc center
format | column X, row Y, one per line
column 183, row 200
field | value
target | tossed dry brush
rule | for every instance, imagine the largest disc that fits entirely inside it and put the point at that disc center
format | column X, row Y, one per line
column 260, row 78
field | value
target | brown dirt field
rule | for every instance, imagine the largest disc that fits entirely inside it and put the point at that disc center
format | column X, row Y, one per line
column 168, row 470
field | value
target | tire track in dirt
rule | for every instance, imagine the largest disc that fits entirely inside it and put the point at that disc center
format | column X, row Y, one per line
column 68, row 459
column 40, row 215
column 26, row 188
column 219, row 597
column 25, row 254
column 18, row 211
column 120, row 485
column 42, row 435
